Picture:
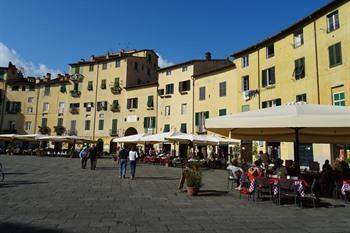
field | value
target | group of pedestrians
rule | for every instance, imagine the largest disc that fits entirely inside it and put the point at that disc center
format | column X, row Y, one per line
column 125, row 155
column 88, row 153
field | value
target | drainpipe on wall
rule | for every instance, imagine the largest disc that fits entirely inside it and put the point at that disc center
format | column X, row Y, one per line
column 316, row 58
column 193, row 114
column 95, row 104
column 259, row 95
column 36, row 109
column 3, row 106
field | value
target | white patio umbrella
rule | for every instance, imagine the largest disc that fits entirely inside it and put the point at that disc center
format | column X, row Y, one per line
column 156, row 138
column 288, row 123
column 136, row 138
column 7, row 137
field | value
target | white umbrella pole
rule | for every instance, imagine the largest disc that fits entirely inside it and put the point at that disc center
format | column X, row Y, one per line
column 296, row 151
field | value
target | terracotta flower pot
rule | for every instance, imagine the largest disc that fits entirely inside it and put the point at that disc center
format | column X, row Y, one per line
column 192, row 191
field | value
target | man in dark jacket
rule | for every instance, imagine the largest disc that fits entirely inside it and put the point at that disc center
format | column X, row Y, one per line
column 123, row 159
column 93, row 157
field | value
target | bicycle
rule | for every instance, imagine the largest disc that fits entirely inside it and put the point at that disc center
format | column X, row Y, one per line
column 2, row 174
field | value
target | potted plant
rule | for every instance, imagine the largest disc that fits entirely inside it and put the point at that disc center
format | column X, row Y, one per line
column 193, row 178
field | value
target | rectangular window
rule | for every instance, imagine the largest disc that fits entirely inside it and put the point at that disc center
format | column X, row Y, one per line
column 184, row 68
column 245, row 61
column 117, row 63
column 339, row 99
column 61, row 108
column 73, row 127
column 90, row 86
column 29, row 109
column 104, row 66
column 245, row 83
column 270, row 51
column 100, row 124
column 169, row 89
column 88, row 106
column 76, row 70
column 43, row 122
column 167, row 110
column 335, row 56
column 30, row 99
column 136, row 66
column 149, row 122
column 103, row 84
column 301, row 98
column 23, row 88
column 91, row 67
column 45, row 107
column 168, row 73
column 222, row 112
column 200, row 121
column 131, row 103
column 13, row 107
column 166, row 128
column 333, row 21
column 47, row 90
column 202, row 93
column 114, row 125
column 28, row 125
column 102, row 106
column 298, row 37
column 245, row 108
column 87, row 124
column 271, row 103
column 183, row 109
column 184, row 86
column 268, row 77
column 160, row 92
column 222, row 89
column 299, row 68
column 150, row 102
column 60, row 122
column 183, row 128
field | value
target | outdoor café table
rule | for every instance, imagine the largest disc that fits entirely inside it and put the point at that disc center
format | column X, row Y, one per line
column 346, row 187
column 298, row 184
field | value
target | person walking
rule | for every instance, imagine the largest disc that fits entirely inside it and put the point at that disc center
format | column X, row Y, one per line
column 122, row 160
column 93, row 157
column 84, row 153
column 133, row 155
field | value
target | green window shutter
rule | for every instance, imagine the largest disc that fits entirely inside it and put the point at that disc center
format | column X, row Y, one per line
column 222, row 112
column 206, row 115
column 100, row 124
column 183, row 128
column 264, row 78
column 338, row 57
column 331, row 56
column 87, row 124
column 145, row 122
column 272, row 75
column 153, row 122
column 197, row 119
column 278, row 102
column 114, row 125
column 166, row 128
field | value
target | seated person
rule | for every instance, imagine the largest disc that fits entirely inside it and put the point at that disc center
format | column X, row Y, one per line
column 280, row 170
column 326, row 166
column 236, row 171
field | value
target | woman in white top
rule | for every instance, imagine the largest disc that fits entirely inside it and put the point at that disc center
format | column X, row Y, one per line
column 133, row 155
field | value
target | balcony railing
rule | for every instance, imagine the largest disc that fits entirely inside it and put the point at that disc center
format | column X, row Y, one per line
column 115, row 108
column 74, row 110
column 113, row 132
column 72, row 132
column 44, row 130
column 116, row 89
column 75, row 93
column 149, row 130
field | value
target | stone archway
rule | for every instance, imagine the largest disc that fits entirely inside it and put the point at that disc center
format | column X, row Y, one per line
column 130, row 131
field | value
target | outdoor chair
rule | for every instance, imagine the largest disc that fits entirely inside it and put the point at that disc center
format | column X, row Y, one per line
column 312, row 194
column 230, row 179
column 245, row 184
column 337, row 190
column 262, row 188
column 286, row 189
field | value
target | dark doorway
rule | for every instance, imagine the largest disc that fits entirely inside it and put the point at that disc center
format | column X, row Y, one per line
column 274, row 150
column 246, row 150
column 130, row 131
column 183, row 150
column 112, row 147
column 306, row 154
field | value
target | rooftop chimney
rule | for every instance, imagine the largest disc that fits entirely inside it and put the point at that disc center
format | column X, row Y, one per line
column 207, row 56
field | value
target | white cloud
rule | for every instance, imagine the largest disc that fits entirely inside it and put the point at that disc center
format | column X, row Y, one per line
column 30, row 69
column 163, row 62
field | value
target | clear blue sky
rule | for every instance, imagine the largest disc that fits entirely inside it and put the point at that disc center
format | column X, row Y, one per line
column 59, row 32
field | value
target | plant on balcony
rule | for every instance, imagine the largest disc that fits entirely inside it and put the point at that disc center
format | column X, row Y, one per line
column 59, row 130
column 44, row 130
column 75, row 93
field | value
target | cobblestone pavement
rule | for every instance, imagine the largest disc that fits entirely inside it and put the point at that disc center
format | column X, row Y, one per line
column 54, row 195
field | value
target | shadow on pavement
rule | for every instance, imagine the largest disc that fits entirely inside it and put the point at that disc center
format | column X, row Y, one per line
column 105, row 168
column 211, row 193
column 25, row 228
column 15, row 173
column 11, row 184
column 156, row 178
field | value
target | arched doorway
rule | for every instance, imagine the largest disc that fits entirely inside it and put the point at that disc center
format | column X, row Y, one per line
column 112, row 146
column 130, row 131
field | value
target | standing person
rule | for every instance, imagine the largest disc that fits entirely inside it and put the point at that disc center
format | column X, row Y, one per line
column 84, row 153
column 122, row 160
column 116, row 155
column 93, row 157
column 133, row 155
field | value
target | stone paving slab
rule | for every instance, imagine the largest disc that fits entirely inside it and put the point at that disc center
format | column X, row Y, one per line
column 53, row 195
